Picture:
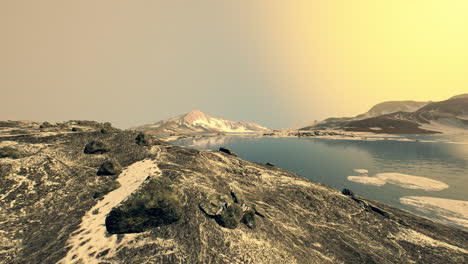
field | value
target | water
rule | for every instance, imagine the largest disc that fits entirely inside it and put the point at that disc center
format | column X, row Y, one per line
column 331, row 162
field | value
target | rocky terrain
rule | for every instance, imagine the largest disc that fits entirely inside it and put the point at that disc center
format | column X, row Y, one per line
column 199, row 122
column 85, row 192
column 449, row 116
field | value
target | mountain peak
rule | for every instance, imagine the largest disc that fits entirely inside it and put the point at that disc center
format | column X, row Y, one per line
column 195, row 115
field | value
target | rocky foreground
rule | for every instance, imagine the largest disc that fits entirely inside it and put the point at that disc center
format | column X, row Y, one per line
column 84, row 192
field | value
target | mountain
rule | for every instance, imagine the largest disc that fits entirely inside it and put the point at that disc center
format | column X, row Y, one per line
column 160, row 203
column 449, row 116
column 199, row 122
column 379, row 109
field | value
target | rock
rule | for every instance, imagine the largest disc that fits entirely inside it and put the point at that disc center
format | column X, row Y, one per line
column 154, row 205
column 270, row 164
column 227, row 151
column 214, row 204
column 96, row 147
column 249, row 220
column 237, row 197
column 76, row 129
column 9, row 152
column 347, row 192
column 142, row 140
column 258, row 211
column 46, row 125
column 230, row 216
column 110, row 167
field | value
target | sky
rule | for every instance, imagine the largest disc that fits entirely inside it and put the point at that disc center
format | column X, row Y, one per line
column 278, row 63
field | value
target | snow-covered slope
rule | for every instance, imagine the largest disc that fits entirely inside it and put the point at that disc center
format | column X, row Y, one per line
column 199, row 122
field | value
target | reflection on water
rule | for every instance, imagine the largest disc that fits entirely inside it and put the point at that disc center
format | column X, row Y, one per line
column 332, row 161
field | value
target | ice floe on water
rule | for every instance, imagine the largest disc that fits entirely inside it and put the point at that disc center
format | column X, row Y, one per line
column 361, row 171
column 402, row 180
column 452, row 212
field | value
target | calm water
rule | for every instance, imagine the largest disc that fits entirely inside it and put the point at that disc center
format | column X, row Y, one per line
column 332, row 161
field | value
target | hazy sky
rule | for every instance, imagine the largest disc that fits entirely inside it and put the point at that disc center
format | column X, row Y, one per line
column 279, row 63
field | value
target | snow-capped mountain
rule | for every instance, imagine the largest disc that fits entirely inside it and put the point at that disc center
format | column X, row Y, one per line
column 199, row 122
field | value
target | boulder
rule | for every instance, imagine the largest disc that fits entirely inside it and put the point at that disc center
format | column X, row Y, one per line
column 96, row 147
column 237, row 197
column 155, row 204
column 230, row 216
column 46, row 125
column 110, row 167
column 249, row 220
column 347, row 192
column 9, row 152
column 214, row 204
column 227, row 151
column 270, row 164
column 142, row 140
column 76, row 129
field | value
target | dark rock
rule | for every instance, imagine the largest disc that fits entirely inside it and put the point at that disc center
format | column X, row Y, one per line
column 106, row 130
column 347, row 192
column 230, row 216
column 76, row 129
column 258, row 211
column 270, row 164
column 249, row 220
column 237, row 197
column 110, row 167
column 227, row 151
column 9, row 152
column 142, row 140
column 46, row 125
column 154, row 205
column 96, row 147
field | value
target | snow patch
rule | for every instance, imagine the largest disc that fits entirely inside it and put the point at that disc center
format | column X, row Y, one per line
column 92, row 237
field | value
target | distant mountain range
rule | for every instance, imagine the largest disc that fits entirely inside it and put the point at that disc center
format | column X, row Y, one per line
column 199, row 122
column 405, row 117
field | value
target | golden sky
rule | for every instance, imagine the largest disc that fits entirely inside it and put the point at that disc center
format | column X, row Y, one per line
column 278, row 63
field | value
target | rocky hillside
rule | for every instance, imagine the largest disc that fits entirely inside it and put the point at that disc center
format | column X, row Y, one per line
column 199, row 122
column 449, row 116
column 101, row 195
column 377, row 110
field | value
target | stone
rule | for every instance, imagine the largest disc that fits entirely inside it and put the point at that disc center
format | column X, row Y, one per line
column 76, row 129
column 142, row 140
column 46, row 125
column 214, row 204
column 110, row 167
column 155, row 204
column 237, row 197
column 96, row 147
column 347, row 192
column 270, row 164
column 249, row 220
column 9, row 152
column 227, row 151
column 230, row 216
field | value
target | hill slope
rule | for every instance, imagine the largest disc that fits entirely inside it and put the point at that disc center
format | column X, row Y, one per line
column 199, row 122
column 202, row 207
column 449, row 116
column 377, row 110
